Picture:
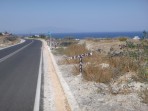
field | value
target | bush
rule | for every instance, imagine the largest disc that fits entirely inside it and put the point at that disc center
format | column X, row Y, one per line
column 92, row 69
column 65, row 44
column 58, row 51
column 97, row 73
column 75, row 49
column 134, row 58
column 124, row 64
column 142, row 74
column 137, row 59
column 122, row 39
column 11, row 38
column 144, row 96
column 42, row 36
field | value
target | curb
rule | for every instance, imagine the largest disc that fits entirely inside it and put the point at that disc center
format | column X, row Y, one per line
column 71, row 100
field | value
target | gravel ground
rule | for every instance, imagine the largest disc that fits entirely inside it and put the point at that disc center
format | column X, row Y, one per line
column 97, row 96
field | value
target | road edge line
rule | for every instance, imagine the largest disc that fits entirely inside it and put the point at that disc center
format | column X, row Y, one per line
column 38, row 88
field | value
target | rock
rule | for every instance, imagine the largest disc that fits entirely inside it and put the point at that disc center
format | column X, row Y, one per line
column 115, row 90
column 104, row 65
column 138, row 86
column 103, row 88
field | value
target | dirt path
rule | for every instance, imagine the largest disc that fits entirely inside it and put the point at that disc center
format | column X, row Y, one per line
column 58, row 101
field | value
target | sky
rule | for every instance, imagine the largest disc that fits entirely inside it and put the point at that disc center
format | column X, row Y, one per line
column 62, row 16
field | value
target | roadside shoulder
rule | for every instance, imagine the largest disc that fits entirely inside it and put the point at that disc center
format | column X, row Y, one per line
column 71, row 100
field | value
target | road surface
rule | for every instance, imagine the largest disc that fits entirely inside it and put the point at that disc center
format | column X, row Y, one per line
column 18, row 76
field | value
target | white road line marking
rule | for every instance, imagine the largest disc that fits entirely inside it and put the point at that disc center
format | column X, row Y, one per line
column 6, row 57
column 38, row 88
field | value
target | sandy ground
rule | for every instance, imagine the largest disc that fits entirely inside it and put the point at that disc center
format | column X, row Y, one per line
column 93, row 96
column 101, row 44
column 90, row 96
column 54, row 97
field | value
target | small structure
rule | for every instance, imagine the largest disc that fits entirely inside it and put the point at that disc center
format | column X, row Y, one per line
column 37, row 36
column 5, row 34
column 136, row 38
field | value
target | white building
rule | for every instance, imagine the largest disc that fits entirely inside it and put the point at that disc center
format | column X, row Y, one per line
column 136, row 38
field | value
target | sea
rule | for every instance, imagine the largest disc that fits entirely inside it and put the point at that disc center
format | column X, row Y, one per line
column 93, row 35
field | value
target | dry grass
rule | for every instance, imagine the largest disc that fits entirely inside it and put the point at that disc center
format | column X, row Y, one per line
column 117, row 67
column 125, row 64
column 122, row 39
column 75, row 70
column 58, row 51
column 95, row 58
column 8, row 40
column 142, row 74
column 97, row 73
column 144, row 96
column 92, row 70
column 131, row 61
column 75, row 49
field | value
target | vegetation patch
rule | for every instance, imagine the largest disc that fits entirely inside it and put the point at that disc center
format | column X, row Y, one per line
column 144, row 96
column 130, row 56
column 58, row 51
column 122, row 39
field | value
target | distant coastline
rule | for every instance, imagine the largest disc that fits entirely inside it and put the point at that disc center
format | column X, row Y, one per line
column 92, row 34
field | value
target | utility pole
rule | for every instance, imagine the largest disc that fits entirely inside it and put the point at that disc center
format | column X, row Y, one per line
column 49, row 34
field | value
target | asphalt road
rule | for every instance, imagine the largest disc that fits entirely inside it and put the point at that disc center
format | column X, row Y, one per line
column 18, row 77
column 9, row 50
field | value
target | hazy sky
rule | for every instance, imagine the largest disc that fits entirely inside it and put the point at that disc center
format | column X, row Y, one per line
column 30, row 16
